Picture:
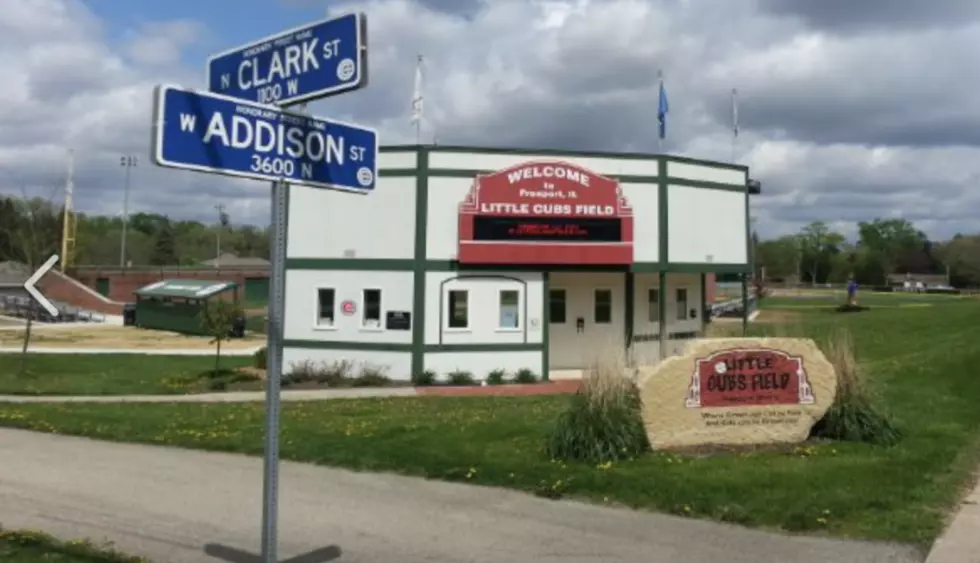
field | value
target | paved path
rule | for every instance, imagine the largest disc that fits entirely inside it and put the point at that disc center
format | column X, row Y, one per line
column 229, row 397
column 166, row 504
column 961, row 542
column 141, row 351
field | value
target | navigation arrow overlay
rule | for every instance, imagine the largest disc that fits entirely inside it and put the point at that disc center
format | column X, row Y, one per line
column 32, row 281
column 234, row 555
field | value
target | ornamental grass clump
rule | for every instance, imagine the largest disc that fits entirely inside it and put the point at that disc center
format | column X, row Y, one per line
column 853, row 416
column 603, row 421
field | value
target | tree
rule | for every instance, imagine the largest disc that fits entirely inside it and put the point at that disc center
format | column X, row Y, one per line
column 165, row 246
column 780, row 257
column 818, row 244
column 890, row 240
column 30, row 235
column 217, row 319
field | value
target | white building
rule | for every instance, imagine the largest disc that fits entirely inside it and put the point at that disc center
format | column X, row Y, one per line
column 478, row 259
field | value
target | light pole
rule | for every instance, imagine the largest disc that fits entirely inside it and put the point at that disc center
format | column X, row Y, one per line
column 128, row 162
column 221, row 225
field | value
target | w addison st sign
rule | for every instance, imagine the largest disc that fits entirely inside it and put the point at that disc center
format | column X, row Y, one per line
column 545, row 212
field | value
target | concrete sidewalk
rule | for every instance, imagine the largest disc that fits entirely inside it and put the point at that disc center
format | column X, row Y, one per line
column 167, row 504
column 961, row 541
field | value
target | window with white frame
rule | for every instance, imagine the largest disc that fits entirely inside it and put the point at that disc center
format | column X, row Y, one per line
column 510, row 309
column 458, row 314
column 603, row 306
column 371, row 308
column 653, row 305
column 681, row 304
column 326, row 307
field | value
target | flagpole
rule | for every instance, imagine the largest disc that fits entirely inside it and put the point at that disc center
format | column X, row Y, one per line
column 660, row 135
column 734, row 122
column 417, row 102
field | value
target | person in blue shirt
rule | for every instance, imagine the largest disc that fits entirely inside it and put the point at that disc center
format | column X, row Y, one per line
column 852, row 287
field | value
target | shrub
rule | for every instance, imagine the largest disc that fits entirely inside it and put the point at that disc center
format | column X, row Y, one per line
column 603, row 421
column 371, row 376
column 525, row 375
column 853, row 416
column 424, row 379
column 259, row 358
column 336, row 374
column 461, row 377
column 496, row 377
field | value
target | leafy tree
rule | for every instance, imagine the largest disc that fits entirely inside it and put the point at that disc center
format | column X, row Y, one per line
column 217, row 319
column 164, row 248
column 818, row 244
column 780, row 257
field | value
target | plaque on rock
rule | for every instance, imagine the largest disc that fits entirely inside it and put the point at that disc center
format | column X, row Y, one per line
column 737, row 391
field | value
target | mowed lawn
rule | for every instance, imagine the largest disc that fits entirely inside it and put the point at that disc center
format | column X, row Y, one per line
column 108, row 374
column 35, row 547
column 922, row 360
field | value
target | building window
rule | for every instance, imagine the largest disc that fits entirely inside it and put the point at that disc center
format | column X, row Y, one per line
column 371, row 308
column 653, row 305
column 510, row 302
column 603, row 306
column 556, row 306
column 681, row 304
column 459, row 313
column 326, row 307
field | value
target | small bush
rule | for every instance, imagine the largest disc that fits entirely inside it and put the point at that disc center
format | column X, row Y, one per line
column 259, row 358
column 461, row 377
column 853, row 416
column 371, row 376
column 425, row 379
column 496, row 377
column 603, row 421
column 336, row 374
column 525, row 375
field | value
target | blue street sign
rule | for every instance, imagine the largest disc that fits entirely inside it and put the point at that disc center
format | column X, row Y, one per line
column 320, row 59
column 223, row 135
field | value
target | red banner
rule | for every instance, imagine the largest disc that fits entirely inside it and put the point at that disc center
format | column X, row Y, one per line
column 545, row 212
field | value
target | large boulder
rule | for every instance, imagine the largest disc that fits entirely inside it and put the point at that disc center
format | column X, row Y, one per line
column 737, row 392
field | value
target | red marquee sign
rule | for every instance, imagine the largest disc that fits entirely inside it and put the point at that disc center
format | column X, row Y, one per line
column 545, row 212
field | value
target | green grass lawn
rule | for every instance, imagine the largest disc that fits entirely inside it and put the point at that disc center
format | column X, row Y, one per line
column 827, row 299
column 921, row 360
column 109, row 374
column 35, row 547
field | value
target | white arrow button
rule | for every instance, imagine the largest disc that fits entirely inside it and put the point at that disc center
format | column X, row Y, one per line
column 32, row 281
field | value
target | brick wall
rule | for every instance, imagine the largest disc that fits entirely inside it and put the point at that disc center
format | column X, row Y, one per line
column 59, row 287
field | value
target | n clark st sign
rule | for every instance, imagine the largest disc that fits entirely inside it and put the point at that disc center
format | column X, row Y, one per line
column 570, row 215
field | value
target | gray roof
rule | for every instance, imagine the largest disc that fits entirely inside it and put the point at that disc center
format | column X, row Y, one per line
column 13, row 274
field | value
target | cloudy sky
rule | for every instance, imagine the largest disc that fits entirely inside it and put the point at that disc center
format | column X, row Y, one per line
column 849, row 110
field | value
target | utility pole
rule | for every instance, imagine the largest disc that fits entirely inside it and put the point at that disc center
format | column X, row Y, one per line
column 128, row 162
column 221, row 225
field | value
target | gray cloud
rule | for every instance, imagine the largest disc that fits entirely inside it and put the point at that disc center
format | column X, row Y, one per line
column 848, row 110
column 861, row 15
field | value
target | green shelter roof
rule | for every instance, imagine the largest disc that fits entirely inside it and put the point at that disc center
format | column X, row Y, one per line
column 190, row 289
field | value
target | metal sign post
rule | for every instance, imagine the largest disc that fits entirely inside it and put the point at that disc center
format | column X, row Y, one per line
column 235, row 131
column 277, row 304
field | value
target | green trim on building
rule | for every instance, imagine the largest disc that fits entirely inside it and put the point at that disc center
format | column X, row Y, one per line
column 545, row 326
column 662, row 217
column 662, row 311
column 367, row 264
column 397, row 173
column 704, row 301
column 409, row 348
column 418, row 264
column 706, row 185
column 629, row 302
column 408, row 265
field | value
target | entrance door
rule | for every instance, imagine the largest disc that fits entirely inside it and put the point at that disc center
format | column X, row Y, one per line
column 587, row 318
column 102, row 286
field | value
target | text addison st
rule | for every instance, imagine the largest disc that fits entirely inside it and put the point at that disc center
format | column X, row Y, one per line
column 545, row 213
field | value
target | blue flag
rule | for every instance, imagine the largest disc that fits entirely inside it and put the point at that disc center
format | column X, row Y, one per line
column 662, row 110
